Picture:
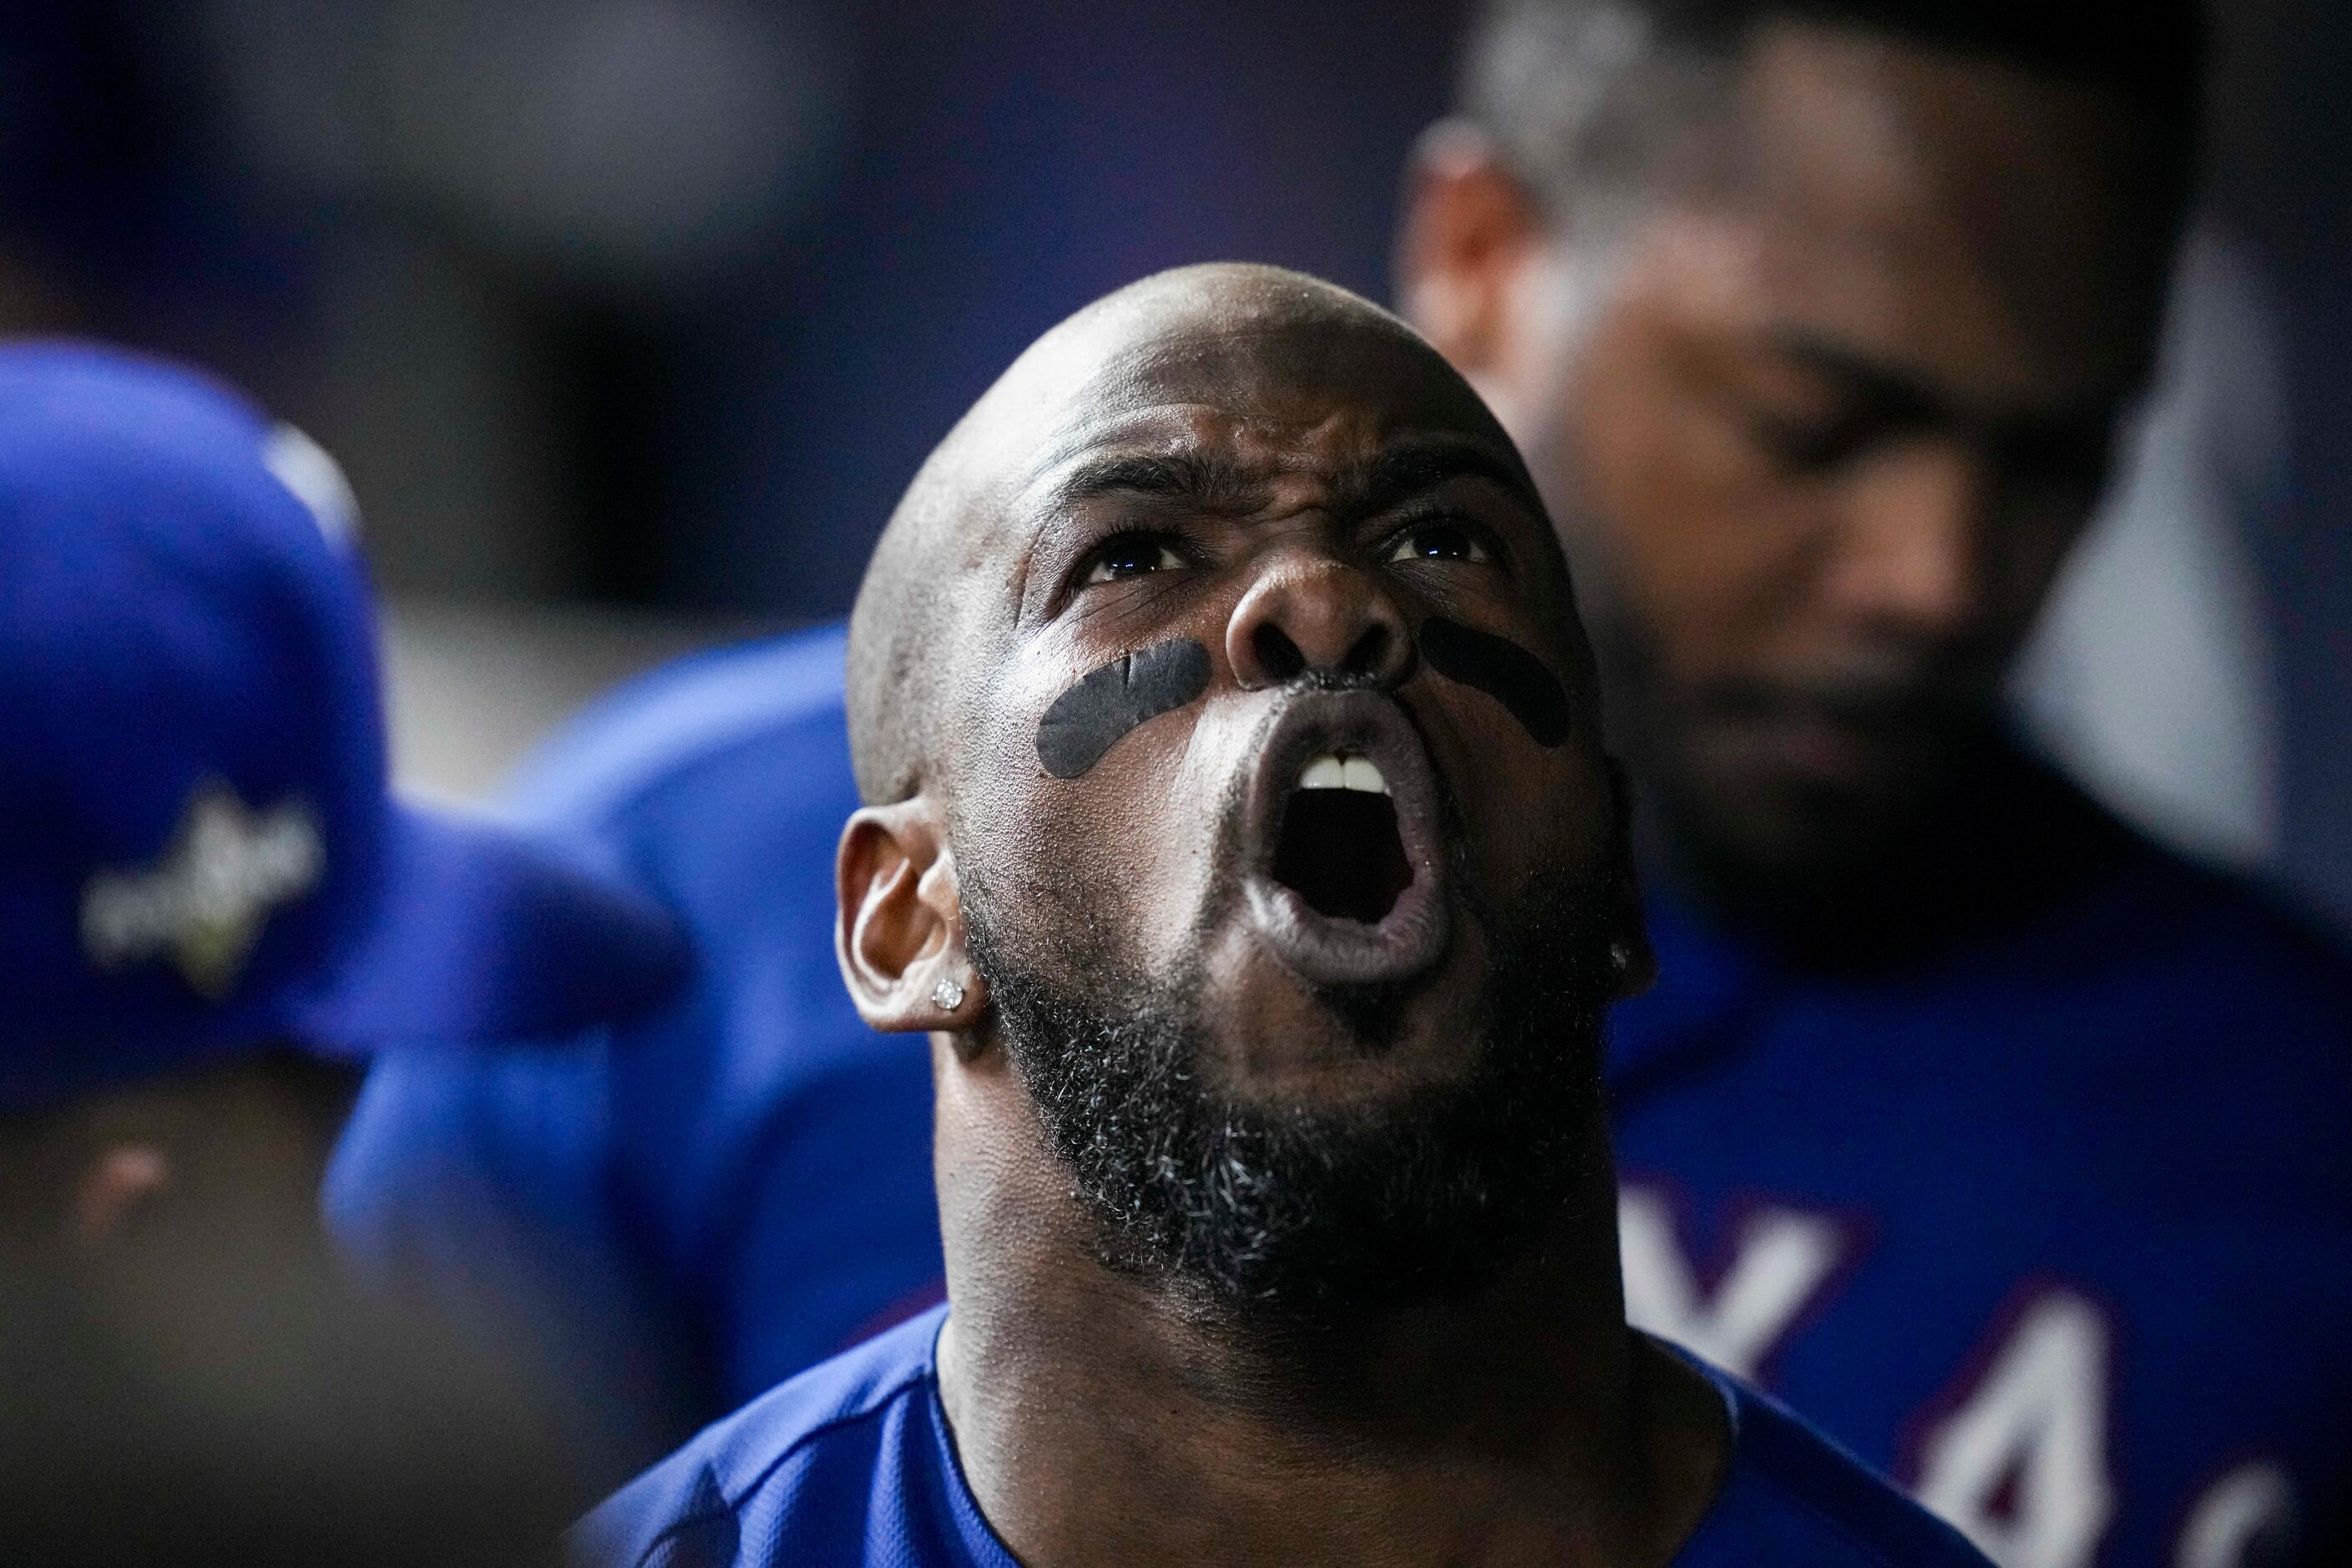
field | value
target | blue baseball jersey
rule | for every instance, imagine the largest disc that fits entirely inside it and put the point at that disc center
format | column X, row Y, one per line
column 851, row 1465
column 2055, row 1227
column 674, row 1215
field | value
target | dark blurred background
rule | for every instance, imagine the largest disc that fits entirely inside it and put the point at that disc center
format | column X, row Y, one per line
column 628, row 319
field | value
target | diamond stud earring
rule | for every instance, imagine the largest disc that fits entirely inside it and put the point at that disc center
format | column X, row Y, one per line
column 948, row 994
column 1620, row 956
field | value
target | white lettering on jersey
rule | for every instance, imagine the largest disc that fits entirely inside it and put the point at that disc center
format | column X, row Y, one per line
column 1783, row 1258
column 2020, row 1465
column 2243, row 1519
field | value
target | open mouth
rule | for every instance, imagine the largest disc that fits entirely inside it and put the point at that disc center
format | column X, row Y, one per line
column 1346, row 879
column 1339, row 848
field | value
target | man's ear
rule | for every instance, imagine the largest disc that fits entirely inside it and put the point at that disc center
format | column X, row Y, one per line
column 898, row 929
column 117, row 1181
column 1470, row 228
column 1630, row 952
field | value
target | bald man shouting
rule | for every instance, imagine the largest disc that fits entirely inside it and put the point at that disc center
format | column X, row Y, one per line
column 1236, row 828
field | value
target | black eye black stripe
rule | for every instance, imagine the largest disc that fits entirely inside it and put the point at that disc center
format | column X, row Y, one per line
column 1089, row 718
column 1503, row 670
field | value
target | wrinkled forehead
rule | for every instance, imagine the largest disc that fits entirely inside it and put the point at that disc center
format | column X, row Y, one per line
column 1314, row 404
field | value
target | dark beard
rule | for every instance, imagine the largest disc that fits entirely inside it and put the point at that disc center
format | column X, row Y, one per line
column 1301, row 1216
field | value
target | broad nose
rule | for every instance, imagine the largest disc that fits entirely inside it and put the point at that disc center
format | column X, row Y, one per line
column 1313, row 615
column 1910, row 558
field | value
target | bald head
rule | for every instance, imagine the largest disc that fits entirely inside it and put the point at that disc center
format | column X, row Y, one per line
column 1217, row 345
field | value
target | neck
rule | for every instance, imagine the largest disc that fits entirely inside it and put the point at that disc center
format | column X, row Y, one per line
column 1106, row 1418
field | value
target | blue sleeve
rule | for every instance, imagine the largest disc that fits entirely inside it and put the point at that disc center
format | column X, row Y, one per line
column 700, row 1204
column 478, row 1180
column 841, row 1219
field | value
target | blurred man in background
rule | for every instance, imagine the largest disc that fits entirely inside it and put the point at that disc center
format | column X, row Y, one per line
column 1815, row 319
column 210, row 907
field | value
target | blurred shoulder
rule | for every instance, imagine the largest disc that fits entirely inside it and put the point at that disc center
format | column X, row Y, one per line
column 695, row 725
column 2239, row 928
column 813, row 1436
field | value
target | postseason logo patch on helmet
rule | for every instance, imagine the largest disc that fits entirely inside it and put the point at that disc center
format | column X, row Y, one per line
column 204, row 854
column 204, row 903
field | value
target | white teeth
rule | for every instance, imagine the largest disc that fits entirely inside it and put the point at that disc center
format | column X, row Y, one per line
column 1331, row 771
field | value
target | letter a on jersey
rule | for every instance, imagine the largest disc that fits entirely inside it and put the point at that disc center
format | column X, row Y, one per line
column 2020, row 1463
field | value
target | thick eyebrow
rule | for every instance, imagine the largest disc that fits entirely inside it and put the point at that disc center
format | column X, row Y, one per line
column 1193, row 480
column 1904, row 394
column 1410, row 467
column 1909, row 398
column 1214, row 485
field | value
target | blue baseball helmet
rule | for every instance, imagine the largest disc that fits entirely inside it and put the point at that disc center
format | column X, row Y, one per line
column 200, row 852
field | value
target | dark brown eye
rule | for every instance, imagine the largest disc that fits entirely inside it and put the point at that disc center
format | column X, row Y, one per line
column 1437, row 542
column 1129, row 555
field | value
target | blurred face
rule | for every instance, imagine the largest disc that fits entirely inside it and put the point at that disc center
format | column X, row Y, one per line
column 208, row 1159
column 1316, row 943
column 185, row 1345
column 1825, row 437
